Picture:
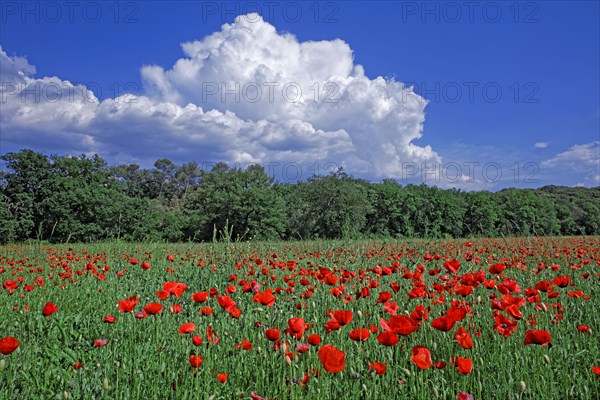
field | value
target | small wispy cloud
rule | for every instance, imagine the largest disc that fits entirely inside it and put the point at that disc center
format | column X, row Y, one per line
column 541, row 145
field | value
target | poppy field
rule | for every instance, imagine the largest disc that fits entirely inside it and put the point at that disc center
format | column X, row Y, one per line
column 513, row 318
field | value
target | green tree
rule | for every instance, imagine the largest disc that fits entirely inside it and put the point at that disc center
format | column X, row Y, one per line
column 336, row 205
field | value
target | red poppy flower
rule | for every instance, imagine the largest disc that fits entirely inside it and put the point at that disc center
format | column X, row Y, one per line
column 272, row 334
column 583, row 328
column 128, row 305
column 206, row 311
column 314, row 339
column 141, row 314
column 109, row 319
column 49, row 309
column 464, row 365
column 8, row 344
column 195, row 361
column 200, row 297
column 421, row 357
column 419, row 314
column 222, row 377
column 332, row 325
column 505, row 326
column 561, row 281
column 245, row 345
column 153, row 308
column 197, row 340
column 77, row 365
column 540, row 337
column 596, row 370
column 343, row 317
column 133, row 261
column 443, row 323
column 497, row 268
column 387, row 338
column 452, row 266
column 162, row 294
column 211, row 335
column 188, row 327
column 383, row 297
column 333, row 359
column 513, row 311
column 296, row 327
column 175, row 288
column 464, row 396
column 234, row 312
column 302, row 347
column 379, row 368
column 171, row 257
column 463, row 338
column 440, row 365
column 145, row 265
column 264, row 298
column 403, row 325
column 100, row 342
column 359, row 334
column 175, row 309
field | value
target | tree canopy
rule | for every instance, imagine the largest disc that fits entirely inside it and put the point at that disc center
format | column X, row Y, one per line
column 68, row 199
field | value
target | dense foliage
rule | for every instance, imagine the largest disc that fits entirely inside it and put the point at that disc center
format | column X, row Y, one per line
column 69, row 199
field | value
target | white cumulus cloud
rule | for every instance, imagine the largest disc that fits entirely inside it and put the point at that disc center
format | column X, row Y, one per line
column 246, row 93
column 583, row 158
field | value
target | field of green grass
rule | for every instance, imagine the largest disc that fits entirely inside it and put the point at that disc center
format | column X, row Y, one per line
column 496, row 318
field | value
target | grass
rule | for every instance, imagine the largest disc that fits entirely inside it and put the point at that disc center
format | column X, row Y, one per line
column 148, row 358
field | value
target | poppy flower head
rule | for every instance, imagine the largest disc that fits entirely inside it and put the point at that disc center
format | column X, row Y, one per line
column 49, row 309
column 264, row 298
column 272, row 334
column 359, row 334
column 539, row 337
column 197, row 340
column 153, row 308
column 128, row 305
column 8, row 344
column 196, row 361
column 387, row 338
column 314, row 339
column 188, row 327
column 403, row 325
column 421, row 357
column 463, row 365
column 200, row 297
column 443, row 323
column 332, row 359
column 109, row 319
column 379, row 368
column 463, row 337
column 296, row 327
column 175, row 288
column 343, row 317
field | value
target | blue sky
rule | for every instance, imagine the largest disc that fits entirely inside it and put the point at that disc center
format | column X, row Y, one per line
column 513, row 88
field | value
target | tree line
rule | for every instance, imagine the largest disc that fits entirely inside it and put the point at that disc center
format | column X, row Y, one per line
column 81, row 199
